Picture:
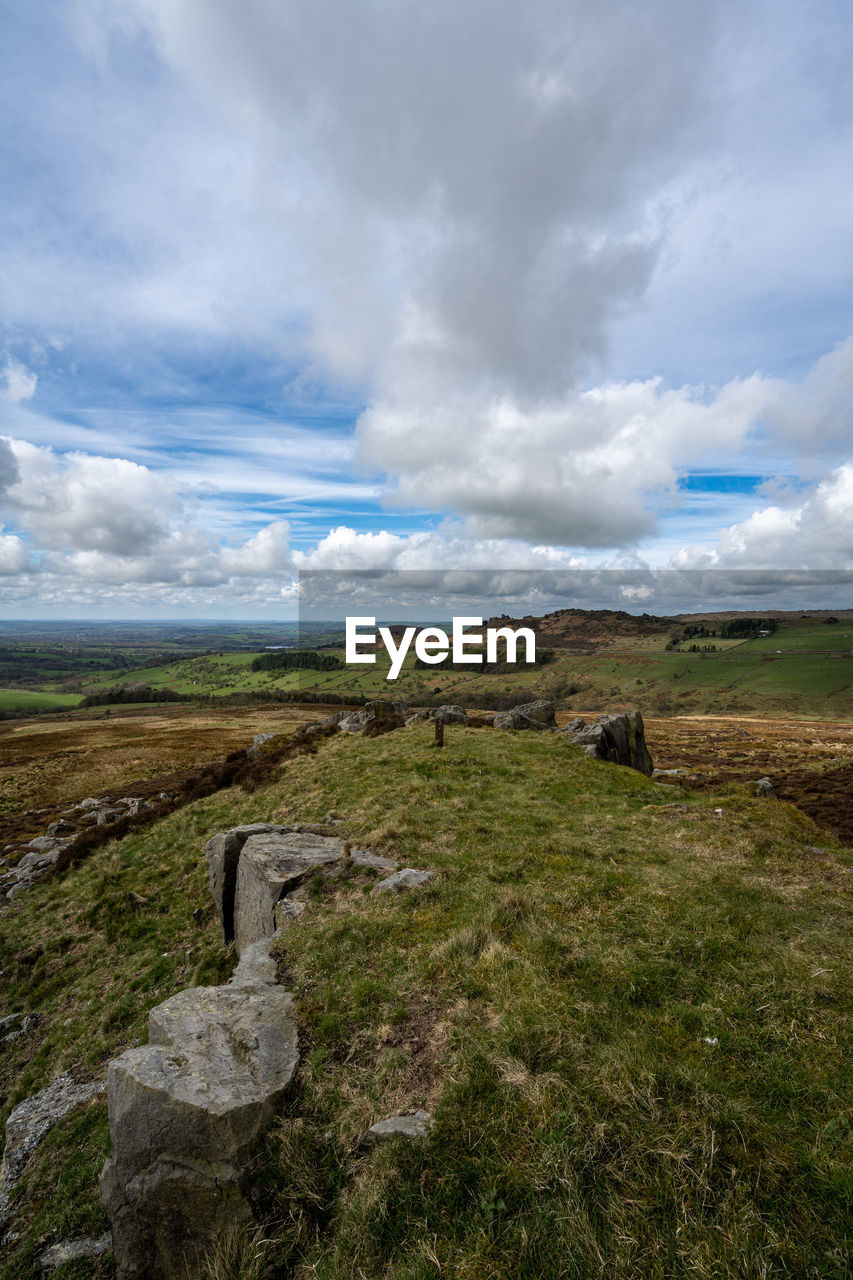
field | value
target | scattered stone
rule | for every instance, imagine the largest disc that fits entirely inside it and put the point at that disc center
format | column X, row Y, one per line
column 43, row 844
column 408, row 878
column 620, row 739
column 667, row 773
column 364, row 858
column 135, row 804
column 187, row 1113
column 257, row 742
column 530, row 715
column 414, row 1125
column 30, row 1121
column 91, row 803
column 69, row 1250
column 13, row 1026
column 417, row 716
column 269, row 867
column 105, row 816
column 31, row 860
column 764, row 787
column 61, row 828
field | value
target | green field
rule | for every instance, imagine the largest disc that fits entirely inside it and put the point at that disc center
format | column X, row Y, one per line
column 27, row 700
column 629, row 1022
column 805, row 669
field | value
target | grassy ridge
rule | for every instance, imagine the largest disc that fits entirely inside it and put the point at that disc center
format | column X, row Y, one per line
column 548, row 997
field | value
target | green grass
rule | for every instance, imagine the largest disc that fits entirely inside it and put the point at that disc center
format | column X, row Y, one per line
column 26, row 700
column 548, row 997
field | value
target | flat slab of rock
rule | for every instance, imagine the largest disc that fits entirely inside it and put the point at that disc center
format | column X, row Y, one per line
column 408, row 878
column 531, row 715
column 414, row 1125
column 270, row 866
column 187, row 1111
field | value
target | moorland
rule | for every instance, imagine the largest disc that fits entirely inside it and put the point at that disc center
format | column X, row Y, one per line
column 624, row 1000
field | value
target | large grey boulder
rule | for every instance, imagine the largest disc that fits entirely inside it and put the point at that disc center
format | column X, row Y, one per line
column 380, row 709
column 223, row 853
column 270, row 866
column 619, row 738
column 450, row 713
column 187, row 1112
column 531, row 715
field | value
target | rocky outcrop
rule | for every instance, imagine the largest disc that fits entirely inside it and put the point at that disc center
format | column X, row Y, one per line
column 270, row 866
column 223, row 853
column 531, row 715
column 355, row 721
column 619, row 738
column 187, row 1112
column 450, row 713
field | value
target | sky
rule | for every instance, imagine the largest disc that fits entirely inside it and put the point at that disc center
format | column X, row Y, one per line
column 295, row 285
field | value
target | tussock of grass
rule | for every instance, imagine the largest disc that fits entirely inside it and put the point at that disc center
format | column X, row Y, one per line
column 548, row 996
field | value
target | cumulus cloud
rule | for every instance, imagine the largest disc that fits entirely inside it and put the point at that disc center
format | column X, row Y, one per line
column 814, row 533
column 108, row 520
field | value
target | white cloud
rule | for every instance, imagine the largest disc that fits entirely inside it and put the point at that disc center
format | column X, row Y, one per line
column 814, row 533
column 18, row 382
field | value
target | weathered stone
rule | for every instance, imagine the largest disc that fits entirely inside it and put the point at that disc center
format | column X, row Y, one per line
column 408, row 878
column 531, row 715
column 91, row 803
column 30, row 1121
column 450, row 713
column 414, row 1125
column 223, row 853
column 379, row 709
column 286, row 911
column 135, row 804
column 31, row 860
column 618, row 738
column 187, row 1112
column 69, row 1250
column 364, row 858
column 13, row 1026
column 667, row 773
column 763, row 787
column 105, row 816
column 257, row 742
column 43, row 844
column 270, row 866
column 61, row 828
column 417, row 716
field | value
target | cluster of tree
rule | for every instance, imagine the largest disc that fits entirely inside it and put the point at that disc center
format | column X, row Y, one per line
column 133, row 693
column 746, row 628
column 296, row 659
